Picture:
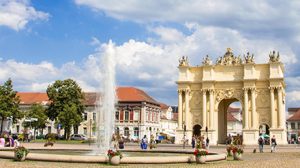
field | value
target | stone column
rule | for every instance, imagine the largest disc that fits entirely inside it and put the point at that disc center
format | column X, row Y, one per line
column 187, row 109
column 204, row 111
column 180, row 109
column 211, row 109
column 253, row 114
column 246, row 111
column 272, row 107
column 280, row 110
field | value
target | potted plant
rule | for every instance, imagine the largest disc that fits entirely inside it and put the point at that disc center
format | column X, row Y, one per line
column 237, row 152
column 229, row 150
column 200, row 155
column 114, row 156
column 20, row 153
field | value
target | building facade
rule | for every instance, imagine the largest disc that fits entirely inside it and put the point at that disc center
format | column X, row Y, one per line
column 293, row 125
column 137, row 114
column 205, row 92
column 168, row 122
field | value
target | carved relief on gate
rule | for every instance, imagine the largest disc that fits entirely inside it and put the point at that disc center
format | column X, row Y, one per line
column 228, row 94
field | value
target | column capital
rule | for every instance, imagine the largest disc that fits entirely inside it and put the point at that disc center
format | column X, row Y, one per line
column 180, row 91
column 203, row 90
column 272, row 88
column 211, row 91
column 187, row 90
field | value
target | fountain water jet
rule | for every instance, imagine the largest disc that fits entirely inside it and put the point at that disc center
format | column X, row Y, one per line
column 105, row 107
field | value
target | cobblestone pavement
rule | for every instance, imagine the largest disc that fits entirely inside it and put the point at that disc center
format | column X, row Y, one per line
column 286, row 156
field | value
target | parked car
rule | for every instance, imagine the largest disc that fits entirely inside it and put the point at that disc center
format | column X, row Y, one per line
column 78, row 137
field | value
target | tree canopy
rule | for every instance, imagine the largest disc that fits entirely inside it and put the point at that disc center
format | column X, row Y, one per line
column 37, row 111
column 66, row 105
column 9, row 103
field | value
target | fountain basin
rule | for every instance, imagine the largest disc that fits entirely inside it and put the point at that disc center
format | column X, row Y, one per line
column 186, row 157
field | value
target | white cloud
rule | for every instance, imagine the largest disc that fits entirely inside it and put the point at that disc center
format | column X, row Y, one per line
column 16, row 14
column 257, row 14
column 36, row 77
column 148, row 65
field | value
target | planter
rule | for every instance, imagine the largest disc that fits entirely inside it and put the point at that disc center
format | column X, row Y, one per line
column 115, row 160
column 237, row 156
column 20, row 158
column 200, row 159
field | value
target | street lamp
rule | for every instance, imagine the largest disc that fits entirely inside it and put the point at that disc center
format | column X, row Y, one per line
column 184, row 130
column 206, row 130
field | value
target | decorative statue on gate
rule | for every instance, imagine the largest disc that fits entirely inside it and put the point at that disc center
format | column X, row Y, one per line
column 249, row 58
column 183, row 61
column 206, row 61
column 274, row 57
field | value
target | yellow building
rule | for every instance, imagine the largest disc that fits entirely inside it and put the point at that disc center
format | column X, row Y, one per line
column 205, row 93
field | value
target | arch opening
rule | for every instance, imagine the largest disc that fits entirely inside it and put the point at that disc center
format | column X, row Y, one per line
column 197, row 130
column 229, row 120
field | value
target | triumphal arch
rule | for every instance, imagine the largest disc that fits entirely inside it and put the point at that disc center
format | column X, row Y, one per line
column 206, row 91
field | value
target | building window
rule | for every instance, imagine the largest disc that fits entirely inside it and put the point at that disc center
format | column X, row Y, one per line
column 299, row 127
column 85, row 131
column 94, row 116
column 136, row 116
column 126, row 132
column 117, row 115
column 85, row 116
column 136, row 131
column 293, row 126
column 49, row 129
column 18, row 128
column 126, row 115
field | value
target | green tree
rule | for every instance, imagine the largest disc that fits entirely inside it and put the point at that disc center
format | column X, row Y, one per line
column 9, row 103
column 37, row 111
column 66, row 106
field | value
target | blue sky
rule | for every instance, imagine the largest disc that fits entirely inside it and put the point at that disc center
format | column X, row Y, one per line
column 42, row 41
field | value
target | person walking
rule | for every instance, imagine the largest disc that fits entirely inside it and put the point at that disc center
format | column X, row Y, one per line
column 193, row 142
column 273, row 143
column 144, row 142
column 207, row 143
column 261, row 144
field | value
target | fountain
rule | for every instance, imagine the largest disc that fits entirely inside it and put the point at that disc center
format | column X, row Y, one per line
column 105, row 107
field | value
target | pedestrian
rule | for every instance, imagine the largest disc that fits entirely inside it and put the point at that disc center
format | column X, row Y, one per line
column 121, row 143
column 193, row 142
column 16, row 143
column 144, row 142
column 229, row 139
column 2, row 141
column 299, row 139
column 261, row 144
column 207, row 143
column 273, row 143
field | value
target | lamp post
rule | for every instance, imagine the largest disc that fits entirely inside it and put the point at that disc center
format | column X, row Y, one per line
column 91, row 120
column 206, row 130
column 184, row 130
column 139, row 124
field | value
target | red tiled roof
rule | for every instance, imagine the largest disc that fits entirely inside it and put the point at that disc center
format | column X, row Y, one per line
column 163, row 106
column 295, row 116
column 230, row 117
column 131, row 94
column 28, row 98
column 233, row 110
column 124, row 94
